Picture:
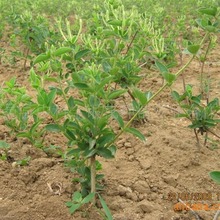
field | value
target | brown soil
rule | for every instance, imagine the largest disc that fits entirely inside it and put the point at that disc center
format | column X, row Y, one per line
column 140, row 182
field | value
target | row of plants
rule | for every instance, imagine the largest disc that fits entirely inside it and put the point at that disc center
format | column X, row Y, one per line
column 92, row 67
column 30, row 31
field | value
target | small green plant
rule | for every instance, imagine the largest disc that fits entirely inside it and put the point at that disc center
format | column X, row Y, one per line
column 24, row 161
column 14, row 106
column 203, row 117
column 78, row 201
column 4, row 148
column 20, row 113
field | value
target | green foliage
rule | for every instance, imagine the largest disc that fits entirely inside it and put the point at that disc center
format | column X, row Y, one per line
column 14, row 106
column 215, row 175
column 24, row 161
column 4, row 148
column 202, row 117
column 106, row 209
column 78, row 201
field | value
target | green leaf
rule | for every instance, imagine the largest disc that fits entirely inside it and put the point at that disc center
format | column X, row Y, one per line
column 106, row 66
column 88, row 116
column 209, row 11
column 88, row 198
column 210, row 28
column 105, row 139
column 202, row 22
column 148, row 94
column 135, row 132
column 61, row 51
column 210, row 123
column 161, row 67
column 70, row 135
column 113, row 149
column 35, row 126
column 74, row 207
column 90, row 153
column 115, row 23
column 82, row 86
column 35, row 79
column 175, row 96
column 116, row 93
column 41, row 58
column 215, row 175
column 71, row 103
column 68, row 204
column 81, row 54
column 53, row 109
column 118, row 118
column 53, row 128
column 77, row 197
column 106, row 209
column 196, row 99
column 193, row 49
column 4, row 145
column 170, row 78
column 92, row 143
column 39, row 109
column 52, row 95
column 104, row 152
column 23, row 134
column 94, row 101
column 50, row 79
column 140, row 96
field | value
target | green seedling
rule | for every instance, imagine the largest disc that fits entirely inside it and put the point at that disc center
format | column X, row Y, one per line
column 78, row 201
column 4, row 148
column 20, row 113
column 23, row 162
column 203, row 117
column 54, row 150
column 14, row 106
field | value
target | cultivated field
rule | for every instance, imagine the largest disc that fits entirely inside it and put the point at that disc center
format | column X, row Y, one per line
column 109, row 110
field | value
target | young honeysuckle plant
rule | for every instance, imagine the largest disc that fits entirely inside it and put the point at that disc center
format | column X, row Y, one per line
column 14, row 106
column 34, row 33
column 203, row 117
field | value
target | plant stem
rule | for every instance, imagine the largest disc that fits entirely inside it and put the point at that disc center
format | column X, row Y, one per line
column 25, row 59
column 93, row 176
column 206, row 138
column 213, row 133
column 197, row 139
column 202, row 69
column 129, row 46
column 130, row 93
